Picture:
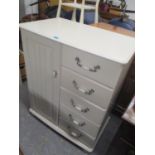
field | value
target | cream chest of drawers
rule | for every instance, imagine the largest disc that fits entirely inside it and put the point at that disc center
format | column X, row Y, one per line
column 74, row 73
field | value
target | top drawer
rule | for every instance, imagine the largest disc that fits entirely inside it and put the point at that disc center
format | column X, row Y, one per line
column 94, row 67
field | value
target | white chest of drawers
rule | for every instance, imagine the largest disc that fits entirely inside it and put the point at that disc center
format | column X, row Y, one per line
column 74, row 74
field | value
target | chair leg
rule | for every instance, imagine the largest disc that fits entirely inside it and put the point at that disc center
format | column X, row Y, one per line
column 96, row 16
column 82, row 16
column 96, row 12
column 59, row 11
column 74, row 14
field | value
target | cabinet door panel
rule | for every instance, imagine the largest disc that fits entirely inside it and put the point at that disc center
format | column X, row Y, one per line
column 42, row 59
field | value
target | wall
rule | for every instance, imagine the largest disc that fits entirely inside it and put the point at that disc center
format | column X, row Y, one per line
column 131, row 6
column 25, row 9
column 21, row 9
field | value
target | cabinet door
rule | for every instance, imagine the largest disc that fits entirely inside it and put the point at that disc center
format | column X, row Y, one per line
column 42, row 65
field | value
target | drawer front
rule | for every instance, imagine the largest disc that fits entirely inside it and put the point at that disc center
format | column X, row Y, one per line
column 94, row 67
column 76, row 134
column 82, row 106
column 78, row 121
column 86, row 88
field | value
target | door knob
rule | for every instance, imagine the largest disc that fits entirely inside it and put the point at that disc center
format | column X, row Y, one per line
column 55, row 73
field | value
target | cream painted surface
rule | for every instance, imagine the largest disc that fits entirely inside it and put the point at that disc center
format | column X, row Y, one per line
column 78, row 121
column 110, row 45
column 79, row 6
column 72, row 131
column 41, row 61
column 55, row 76
column 108, row 73
column 88, row 109
column 101, row 95
column 83, row 6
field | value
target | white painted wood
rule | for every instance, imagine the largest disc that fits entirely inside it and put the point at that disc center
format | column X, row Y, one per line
column 41, row 61
column 62, row 131
column 74, row 14
column 94, row 113
column 97, row 11
column 103, row 43
column 101, row 96
column 82, row 6
column 50, row 48
column 71, row 130
column 83, row 9
column 59, row 9
column 78, row 121
column 108, row 73
column 79, row 6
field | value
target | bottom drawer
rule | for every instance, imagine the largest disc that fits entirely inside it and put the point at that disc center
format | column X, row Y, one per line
column 79, row 122
column 76, row 134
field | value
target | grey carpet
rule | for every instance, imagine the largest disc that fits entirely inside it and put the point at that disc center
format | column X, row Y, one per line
column 36, row 138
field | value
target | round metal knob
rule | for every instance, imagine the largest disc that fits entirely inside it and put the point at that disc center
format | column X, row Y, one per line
column 55, row 74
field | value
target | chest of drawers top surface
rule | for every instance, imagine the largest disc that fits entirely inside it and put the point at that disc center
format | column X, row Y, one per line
column 103, row 43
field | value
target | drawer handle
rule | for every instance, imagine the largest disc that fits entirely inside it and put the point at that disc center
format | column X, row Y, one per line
column 78, row 107
column 73, row 133
column 93, row 69
column 80, row 124
column 87, row 92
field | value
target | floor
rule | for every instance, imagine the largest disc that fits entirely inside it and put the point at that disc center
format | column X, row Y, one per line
column 38, row 139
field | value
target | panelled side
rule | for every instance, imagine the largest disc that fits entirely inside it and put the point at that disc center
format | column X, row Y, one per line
column 42, row 65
